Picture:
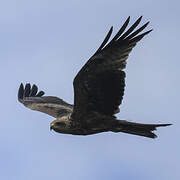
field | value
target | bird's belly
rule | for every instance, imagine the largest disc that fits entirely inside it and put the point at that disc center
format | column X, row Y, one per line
column 82, row 131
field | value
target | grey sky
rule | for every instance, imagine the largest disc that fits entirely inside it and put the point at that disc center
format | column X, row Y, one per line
column 46, row 43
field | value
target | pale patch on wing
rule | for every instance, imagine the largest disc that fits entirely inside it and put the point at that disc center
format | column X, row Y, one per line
column 55, row 110
column 51, row 105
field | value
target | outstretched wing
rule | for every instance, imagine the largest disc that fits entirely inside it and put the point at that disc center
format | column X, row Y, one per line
column 53, row 106
column 99, row 85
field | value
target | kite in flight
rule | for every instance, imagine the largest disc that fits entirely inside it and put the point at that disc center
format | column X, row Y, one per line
column 98, row 91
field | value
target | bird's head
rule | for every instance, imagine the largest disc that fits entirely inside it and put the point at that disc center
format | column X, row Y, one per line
column 60, row 125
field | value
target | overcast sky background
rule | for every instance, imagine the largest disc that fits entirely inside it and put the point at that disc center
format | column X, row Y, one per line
column 47, row 42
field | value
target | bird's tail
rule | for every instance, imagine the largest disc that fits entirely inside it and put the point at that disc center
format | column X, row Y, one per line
column 136, row 128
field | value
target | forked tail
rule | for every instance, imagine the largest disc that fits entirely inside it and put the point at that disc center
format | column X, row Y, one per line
column 137, row 128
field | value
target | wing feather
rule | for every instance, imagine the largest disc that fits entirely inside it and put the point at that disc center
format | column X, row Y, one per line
column 105, row 40
column 131, row 29
column 34, row 90
column 51, row 105
column 99, row 85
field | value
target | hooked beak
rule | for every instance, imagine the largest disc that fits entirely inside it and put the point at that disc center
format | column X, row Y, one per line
column 51, row 126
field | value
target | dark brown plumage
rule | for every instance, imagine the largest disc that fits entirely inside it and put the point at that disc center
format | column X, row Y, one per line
column 98, row 91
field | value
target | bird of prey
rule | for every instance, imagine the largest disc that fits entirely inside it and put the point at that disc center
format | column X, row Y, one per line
column 98, row 91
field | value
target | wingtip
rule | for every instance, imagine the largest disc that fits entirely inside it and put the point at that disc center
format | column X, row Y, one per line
column 139, row 19
column 40, row 93
column 111, row 29
column 147, row 32
column 34, row 90
column 27, row 89
column 127, row 20
column 146, row 23
column 20, row 92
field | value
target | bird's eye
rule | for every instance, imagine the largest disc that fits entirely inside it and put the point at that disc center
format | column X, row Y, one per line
column 60, row 124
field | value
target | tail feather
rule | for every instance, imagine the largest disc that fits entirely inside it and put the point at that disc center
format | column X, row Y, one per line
column 137, row 128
